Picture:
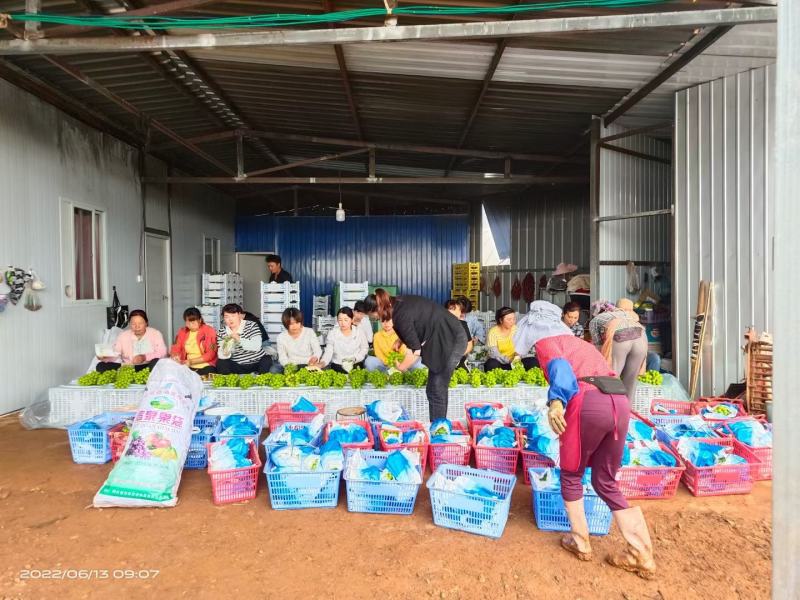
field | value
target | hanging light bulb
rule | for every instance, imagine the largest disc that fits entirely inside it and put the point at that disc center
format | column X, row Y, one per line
column 340, row 213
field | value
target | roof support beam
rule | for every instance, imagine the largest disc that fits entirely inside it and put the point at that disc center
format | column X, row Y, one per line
column 676, row 65
column 487, row 79
column 414, row 148
column 358, row 35
column 634, row 153
column 308, row 161
column 637, row 131
column 516, row 180
column 124, row 104
column 327, row 6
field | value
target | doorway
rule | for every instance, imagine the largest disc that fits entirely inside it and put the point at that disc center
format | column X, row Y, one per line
column 252, row 266
column 158, row 283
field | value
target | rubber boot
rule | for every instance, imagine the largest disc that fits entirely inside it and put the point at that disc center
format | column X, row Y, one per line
column 577, row 540
column 638, row 554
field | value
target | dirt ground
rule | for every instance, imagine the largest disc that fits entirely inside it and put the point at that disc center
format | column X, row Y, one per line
column 710, row 548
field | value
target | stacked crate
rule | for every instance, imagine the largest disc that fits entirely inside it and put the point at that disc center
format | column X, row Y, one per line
column 218, row 290
column 321, row 307
column 467, row 281
column 347, row 294
column 275, row 298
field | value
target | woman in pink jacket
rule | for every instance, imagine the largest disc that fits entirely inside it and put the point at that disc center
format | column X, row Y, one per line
column 139, row 345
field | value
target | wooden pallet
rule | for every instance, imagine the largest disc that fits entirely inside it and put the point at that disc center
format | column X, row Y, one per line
column 758, row 371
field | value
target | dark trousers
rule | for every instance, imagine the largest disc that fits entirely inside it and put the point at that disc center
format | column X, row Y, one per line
column 340, row 369
column 205, row 370
column 438, row 386
column 102, row 367
column 226, row 366
column 493, row 363
column 604, row 425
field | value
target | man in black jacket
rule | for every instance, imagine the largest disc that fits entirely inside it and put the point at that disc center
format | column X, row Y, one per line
column 277, row 273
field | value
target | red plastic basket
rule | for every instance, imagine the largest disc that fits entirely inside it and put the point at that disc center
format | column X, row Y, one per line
column 450, row 454
column 502, row 460
column 719, row 480
column 761, row 471
column 711, row 402
column 531, row 458
column 420, row 448
column 368, row 444
column 681, row 411
column 235, row 485
column 650, row 482
column 472, row 422
column 118, row 436
column 281, row 412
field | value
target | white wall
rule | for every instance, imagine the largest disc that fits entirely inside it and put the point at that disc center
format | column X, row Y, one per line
column 46, row 155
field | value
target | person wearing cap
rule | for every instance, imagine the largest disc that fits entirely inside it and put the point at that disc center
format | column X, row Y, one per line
column 277, row 273
column 619, row 337
column 588, row 410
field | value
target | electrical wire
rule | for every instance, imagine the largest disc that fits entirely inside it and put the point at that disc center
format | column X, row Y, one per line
column 290, row 19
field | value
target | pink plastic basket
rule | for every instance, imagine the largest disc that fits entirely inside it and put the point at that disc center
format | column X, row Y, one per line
column 471, row 422
column 450, row 454
column 719, row 480
column 761, row 471
column 420, row 448
column 368, row 444
column 530, row 458
column 674, row 411
column 502, row 460
column 235, row 485
column 650, row 482
column 281, row 412
column 710, row 402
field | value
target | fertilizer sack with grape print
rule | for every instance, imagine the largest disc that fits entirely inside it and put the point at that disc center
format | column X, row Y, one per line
column 149, row 471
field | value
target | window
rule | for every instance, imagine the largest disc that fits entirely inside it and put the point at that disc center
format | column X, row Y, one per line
column 83, row 252
column 495, row 235
column 211, row 255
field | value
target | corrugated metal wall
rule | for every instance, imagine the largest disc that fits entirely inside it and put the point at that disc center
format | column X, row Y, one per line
column 546, row 229
column 628, row 185
column 724, row 221
column 415, row 253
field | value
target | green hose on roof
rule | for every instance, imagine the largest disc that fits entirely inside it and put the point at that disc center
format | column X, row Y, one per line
column 287, row 20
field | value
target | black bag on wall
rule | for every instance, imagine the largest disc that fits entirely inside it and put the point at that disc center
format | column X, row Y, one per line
column 116, row 314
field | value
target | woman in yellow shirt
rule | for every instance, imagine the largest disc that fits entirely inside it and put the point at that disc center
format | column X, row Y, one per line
column 383, row 344
column 500, row 343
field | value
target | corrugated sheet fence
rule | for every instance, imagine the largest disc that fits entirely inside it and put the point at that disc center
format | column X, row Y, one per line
column 415, row 253
column 628, row 185
column 724, row 222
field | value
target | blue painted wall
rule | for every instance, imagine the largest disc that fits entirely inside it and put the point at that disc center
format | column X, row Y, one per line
column 415, row 253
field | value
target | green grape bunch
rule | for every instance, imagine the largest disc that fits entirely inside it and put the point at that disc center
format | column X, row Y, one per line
column 378, row 378
column 396, row 378
column 476, row 378
column 125, row 377
column 247, row 381
column 339, row 380
column 394, row 358
column 416, row 377
column 461, row 376
column 652, row 378
column 107, row 378
column 535, row 376
column 357, row 377
column 90, row 378
column 142, row 376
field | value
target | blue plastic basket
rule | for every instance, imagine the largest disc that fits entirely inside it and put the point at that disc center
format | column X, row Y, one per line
column 271, row 442
column 93, row 446
column 380, row 497
column 203, row 430
column 468, row 512
column 302, row 489
column 257, row 420
column 550, row 514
